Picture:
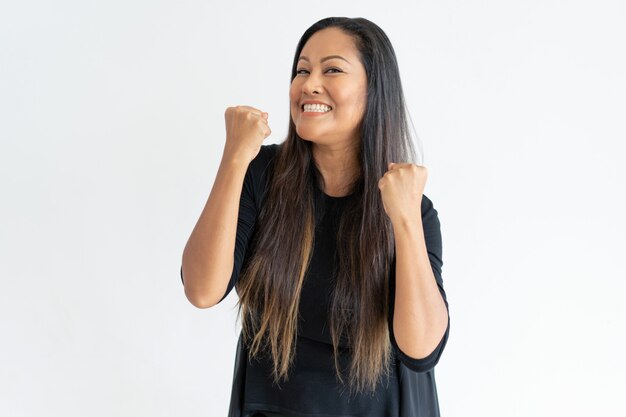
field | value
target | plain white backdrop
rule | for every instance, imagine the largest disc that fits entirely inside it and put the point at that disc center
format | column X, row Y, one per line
column 112, row 127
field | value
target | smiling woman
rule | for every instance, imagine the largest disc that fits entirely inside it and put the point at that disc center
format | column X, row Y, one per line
column 329, row 92
column 333, row 248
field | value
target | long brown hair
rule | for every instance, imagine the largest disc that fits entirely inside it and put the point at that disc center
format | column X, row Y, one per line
column 271, row 279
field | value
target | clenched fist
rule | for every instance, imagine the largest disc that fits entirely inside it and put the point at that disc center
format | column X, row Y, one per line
column 246, row 128
column 401, row 189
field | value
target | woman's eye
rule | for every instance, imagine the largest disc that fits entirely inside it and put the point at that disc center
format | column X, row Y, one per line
column 328, row 70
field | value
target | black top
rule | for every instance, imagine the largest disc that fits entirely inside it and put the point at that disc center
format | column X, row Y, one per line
column 312, row 389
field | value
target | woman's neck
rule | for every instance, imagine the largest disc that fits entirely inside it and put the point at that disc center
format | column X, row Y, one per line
column 339, row 166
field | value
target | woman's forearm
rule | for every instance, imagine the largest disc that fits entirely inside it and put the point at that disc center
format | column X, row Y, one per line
column 208, row 256
column 420, row 316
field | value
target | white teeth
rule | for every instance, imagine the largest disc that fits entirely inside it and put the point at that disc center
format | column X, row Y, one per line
column 320, row 108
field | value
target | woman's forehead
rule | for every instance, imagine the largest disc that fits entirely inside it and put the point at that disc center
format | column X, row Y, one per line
column 329, row 42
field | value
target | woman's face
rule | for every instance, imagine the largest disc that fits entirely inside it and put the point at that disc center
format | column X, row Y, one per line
column 322, row 75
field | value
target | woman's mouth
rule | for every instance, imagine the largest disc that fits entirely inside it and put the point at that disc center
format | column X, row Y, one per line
column 315, row 108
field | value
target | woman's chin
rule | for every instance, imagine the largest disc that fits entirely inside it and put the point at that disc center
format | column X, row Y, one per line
column 308, row 136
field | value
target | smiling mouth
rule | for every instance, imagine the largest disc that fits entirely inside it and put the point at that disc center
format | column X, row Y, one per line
column 316, row 108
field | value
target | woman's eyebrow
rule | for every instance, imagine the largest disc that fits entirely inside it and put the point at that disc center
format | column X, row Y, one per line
column 326, row 58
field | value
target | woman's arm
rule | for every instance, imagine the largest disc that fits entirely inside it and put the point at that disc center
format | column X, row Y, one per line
column 208, row 256
column 420, row 317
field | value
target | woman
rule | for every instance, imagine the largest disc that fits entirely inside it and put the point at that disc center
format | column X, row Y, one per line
column 333, row 248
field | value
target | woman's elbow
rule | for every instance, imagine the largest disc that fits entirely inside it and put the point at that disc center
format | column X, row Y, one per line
column 200, row 299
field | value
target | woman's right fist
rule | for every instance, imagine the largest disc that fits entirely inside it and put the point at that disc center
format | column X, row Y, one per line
column 246, row 128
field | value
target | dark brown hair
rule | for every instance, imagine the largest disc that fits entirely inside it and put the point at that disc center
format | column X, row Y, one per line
column 271, row 280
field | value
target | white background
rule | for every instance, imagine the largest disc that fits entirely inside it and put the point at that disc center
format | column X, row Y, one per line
column 112, row 126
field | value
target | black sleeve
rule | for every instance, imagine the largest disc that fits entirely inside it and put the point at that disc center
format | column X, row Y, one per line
column 432, row 237
column 253, row 189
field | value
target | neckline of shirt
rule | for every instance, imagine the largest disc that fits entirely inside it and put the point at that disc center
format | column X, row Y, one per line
column 334, row 198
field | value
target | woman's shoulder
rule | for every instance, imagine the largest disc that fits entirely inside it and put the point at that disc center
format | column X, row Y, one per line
column 427, row 205
column 270, row 147
column 269, row 150
column 258, row 174
column 263, row 159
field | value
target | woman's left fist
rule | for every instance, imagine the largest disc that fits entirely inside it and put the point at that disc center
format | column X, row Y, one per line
column 401, row 190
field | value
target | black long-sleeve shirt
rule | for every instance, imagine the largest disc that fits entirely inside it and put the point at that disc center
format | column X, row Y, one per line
column 312, row 389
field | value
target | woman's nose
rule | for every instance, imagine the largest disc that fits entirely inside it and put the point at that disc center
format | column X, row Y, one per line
column 312, row 84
